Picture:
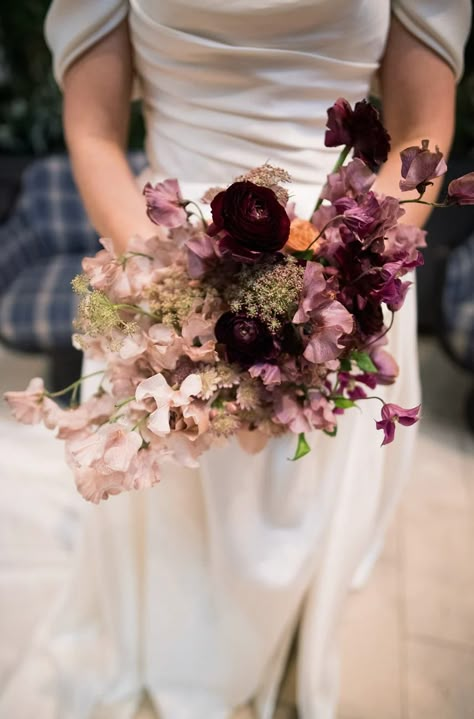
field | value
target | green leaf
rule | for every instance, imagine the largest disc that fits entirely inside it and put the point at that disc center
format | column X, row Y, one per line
column 331, row 434
column 342, row 402
column 364, row 362
column 303, row 254
column 346, row 365
column 302, row 447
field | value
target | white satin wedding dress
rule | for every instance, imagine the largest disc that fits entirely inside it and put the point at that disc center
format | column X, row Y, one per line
column 193, row 589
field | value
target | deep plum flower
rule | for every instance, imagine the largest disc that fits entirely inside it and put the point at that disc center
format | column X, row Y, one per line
column 251, row 221
column 361, row 129
column 392, row 413
column 461, row 191
column 420, row 166
column 164, row 203
column 370, row 217
column 247, row 340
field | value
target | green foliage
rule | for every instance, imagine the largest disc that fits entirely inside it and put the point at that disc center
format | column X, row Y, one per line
column 30, row 101
column 302, row 448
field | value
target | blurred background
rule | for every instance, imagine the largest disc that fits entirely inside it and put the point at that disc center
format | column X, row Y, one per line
column 408, row 635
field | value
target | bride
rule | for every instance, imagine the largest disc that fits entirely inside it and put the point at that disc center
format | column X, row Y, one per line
column 193, row 590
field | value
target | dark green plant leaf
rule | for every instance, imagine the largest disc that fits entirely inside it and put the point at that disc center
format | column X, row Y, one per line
column 303, row 254
column 342, row 402
column 346, row 365
column 302, row 447
column 364, row 362
column 330, row 434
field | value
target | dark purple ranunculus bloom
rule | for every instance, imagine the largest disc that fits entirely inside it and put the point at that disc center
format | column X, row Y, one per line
column 392, row 413
column 420, row 166
column 461, row 191
column 246, row 339
column 251, row 221
column 360, row 128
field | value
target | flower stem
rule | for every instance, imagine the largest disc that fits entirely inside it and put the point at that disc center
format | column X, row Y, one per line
column 387, row 329
column 423, row 202
column 73, row 386
column 136, row 309
column 337, row 217
column 203, row 219
column 339, row 162
column 115, row 415
column 124, row 258
column 140, row 422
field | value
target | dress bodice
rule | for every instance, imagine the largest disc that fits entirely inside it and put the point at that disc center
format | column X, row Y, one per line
column 227, row 86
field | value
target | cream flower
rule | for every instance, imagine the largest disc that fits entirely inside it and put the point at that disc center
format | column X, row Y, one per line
column 166, row 397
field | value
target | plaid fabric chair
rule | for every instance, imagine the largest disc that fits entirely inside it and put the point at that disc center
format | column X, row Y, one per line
column 41, row 248
column 458, row 304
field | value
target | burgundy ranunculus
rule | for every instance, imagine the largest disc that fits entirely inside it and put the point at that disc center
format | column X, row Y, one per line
column 361, row 129
column 461, row 191
column 420, row 166
column 246, row 339
column 251, row 219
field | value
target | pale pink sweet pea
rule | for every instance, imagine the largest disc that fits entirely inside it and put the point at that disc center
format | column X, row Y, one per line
column 270, row 374
column 94, row 486
column 196, row 418
column 133, row 346
column 86, row 449
column 165, row 347
column 121, row 447
column 106, row 273
column 164, row 203
column 196, row 327
column 203, row 253
column 67, row 422
column 319, row 411
column 27, row 405
column 291, row 413
column 165, row 397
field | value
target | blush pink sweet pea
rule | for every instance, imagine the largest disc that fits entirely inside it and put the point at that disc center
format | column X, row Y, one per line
column 166, row 397
column 420, row 166
column 27, row 405
column 461, row 190
column 165, row 204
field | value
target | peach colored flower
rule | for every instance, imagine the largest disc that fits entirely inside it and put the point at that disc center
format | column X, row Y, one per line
column 302, row 234
column 27, row 405
column 94, row 486
column 165, row 347
column 121, row 447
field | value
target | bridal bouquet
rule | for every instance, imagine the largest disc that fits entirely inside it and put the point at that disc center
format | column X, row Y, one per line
column 250, row 321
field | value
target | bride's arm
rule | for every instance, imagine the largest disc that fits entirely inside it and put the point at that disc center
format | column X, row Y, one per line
column 418, row 95
column 97, row 91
